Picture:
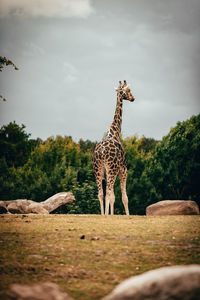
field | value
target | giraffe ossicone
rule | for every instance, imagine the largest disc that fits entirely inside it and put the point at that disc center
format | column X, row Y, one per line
column 109, row 156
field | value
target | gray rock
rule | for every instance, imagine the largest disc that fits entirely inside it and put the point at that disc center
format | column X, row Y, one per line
column 24, row 206
column 57, row 200
column 34, row 208
column 173, row 207
column 178, row 282
column 43, row 291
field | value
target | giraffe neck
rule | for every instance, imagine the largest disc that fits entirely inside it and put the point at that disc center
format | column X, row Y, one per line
column 115, row 128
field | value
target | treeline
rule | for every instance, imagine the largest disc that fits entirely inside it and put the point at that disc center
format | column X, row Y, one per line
column 36, row 169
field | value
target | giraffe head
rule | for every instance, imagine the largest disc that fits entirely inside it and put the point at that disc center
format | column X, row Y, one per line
column 125, row 92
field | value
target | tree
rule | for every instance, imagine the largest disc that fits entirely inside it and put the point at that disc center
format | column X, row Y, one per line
column 15, row 146
column 5, row 62
column 54, row 165
column 35, row 169
column 174, row 167
column 87, row 145
column 146, row 144
column 15, row 149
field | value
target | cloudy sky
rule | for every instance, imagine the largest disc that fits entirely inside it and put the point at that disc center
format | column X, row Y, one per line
column 72, row 53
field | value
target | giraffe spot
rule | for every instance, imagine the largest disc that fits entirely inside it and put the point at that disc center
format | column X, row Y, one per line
column 112, row 153
column 116, row 144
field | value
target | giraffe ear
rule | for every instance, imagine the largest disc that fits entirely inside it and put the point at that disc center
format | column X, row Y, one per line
column 120, row 84
column 125, row 84
column 127, row 87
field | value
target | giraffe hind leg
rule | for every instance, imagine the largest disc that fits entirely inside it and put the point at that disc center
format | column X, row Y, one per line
column 99, row 179
column 110, row 196
column 122, row 177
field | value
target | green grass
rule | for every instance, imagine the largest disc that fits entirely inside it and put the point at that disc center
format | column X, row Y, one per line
column 36, row 248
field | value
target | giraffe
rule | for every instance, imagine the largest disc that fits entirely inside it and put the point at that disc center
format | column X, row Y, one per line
column 109, row 156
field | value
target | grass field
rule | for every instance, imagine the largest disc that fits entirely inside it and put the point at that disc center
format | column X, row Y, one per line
column 88, row 255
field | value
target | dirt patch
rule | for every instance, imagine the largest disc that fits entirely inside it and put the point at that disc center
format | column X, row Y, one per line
column 49, row 248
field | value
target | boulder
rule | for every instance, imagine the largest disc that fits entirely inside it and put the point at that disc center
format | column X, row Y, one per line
column 57, row 200
column 173, row 207
column 24, row 206
column 3, row 209
column 15, row 208
column 42, row 291
column 177, row 282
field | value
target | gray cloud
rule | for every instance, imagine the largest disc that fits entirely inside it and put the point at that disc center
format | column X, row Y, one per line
column 69, row 67
column 45, row 8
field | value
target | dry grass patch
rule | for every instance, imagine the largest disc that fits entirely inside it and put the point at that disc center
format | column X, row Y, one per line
column 89, row 255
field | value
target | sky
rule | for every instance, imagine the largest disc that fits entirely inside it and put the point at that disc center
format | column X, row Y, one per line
column 71, row 55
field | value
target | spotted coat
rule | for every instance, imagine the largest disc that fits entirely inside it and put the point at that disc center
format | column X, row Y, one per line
column 109, row 156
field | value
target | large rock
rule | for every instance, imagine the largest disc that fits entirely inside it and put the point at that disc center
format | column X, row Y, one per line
column 43, row 291
column 178, row 282
column 24, row 206
column 57, row 200
column 173, row 207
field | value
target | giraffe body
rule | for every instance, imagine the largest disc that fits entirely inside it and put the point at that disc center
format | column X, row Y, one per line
column 109, row 157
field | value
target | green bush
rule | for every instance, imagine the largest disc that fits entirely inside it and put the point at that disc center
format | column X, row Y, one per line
column 36, row 169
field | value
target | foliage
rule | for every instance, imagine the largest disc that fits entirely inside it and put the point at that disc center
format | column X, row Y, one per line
column 57, row 164
column 15, row 145
column 36, row 169
column 146, row 144
column 6, row 62
column 174, row 167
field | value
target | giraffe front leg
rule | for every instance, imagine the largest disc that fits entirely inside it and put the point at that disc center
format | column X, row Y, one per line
column 107, row 204
column 100, row 196
column 99, row 175
column 123, row 176
column 100, row 192
column 125, row 202
column 110, row 196
column 112, row 201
